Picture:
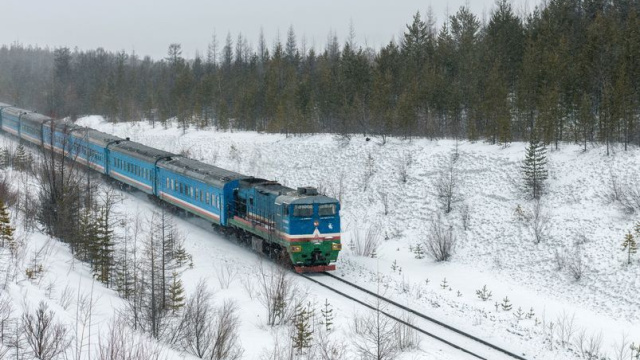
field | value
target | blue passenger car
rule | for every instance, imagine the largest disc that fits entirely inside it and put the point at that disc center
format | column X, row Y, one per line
column 2, row 107
column 31, row 127
column 11, row 120
column 202, row 189
column 135, row 164
column 56, row 136
column 89, row 147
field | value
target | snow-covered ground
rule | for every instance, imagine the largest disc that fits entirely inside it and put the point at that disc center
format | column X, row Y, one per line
column 497, row 248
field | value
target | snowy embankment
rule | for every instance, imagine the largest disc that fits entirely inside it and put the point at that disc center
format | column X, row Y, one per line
column 496, row 249
column 391, row 188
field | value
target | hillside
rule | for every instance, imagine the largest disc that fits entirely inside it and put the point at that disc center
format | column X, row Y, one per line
column 496, row 249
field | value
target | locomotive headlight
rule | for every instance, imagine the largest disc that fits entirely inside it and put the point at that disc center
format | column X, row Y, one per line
column 316, row 223
column 295, row 248
column 336, row 246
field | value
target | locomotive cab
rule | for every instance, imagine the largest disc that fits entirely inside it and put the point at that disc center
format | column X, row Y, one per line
column 311, row 227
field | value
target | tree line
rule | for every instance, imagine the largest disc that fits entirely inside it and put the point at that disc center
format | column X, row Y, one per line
column 567, row 71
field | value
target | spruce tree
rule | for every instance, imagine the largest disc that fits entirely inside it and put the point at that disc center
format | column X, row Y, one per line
column 105, row 248
column 6, row 230
column 20, row 161
column 327, row 315
column 303, row 333
column 5, row 158
column 86, row 244
column 534, row 167
column 176, row 293
column 630, row 246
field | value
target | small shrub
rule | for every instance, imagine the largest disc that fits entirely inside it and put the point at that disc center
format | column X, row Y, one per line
column 440, row 242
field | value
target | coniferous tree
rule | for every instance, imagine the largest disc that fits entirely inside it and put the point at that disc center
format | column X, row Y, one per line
column 5, row 158
column 176, row 293
column 6, row 230
column 104, row 260
column 535, row 167
column 303, row 331
column 630, row 246
column 21, row 160
column 87, row 243
column 327, row 315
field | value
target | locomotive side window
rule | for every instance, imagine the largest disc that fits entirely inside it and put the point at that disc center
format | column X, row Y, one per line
column 303, row 210
column 327, row 210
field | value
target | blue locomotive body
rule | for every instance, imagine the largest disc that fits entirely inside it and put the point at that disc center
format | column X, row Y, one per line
column 300, row 225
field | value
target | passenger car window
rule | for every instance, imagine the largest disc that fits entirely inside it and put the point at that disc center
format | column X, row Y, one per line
column 303, row 210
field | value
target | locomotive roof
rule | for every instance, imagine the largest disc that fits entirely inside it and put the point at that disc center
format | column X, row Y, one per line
column 285, row 194
column 3, row 105
column 140, row 151
column 266, row 186
column 200, row 171
column 294, row 198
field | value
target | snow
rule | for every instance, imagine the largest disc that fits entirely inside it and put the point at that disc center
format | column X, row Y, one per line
column 497, row 249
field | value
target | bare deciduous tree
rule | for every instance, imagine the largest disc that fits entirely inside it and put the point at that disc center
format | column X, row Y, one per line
column 375, row 336
column 278, row 293
column 206, row 332
column 539, row 222
column 440, row 240
column 588, row 346
column 622, row 350
column 226, row 275
column 565, row 328
column 6, row 312
column 407, row 337
column 576, row 265
column 120, row 343
column 47, row 339
column 365, row 243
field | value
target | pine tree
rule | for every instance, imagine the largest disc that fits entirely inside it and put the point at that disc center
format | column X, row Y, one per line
column 630, row 245
column 105, row 247
column 176, row 294
column 303, row 333
column 327, row 315
column 5, row 158
column 534, row 167
column 20, row 161
column 6, row 230
column 506, row 304
column 86, row 244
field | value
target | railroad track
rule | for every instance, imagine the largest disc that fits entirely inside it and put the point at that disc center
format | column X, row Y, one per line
column 426, row 325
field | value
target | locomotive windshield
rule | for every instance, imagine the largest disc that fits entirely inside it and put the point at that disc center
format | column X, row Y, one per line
column 327, row 210
column 303, row 210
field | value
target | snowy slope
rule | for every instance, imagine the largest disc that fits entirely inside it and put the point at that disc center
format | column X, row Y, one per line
column 496, row 249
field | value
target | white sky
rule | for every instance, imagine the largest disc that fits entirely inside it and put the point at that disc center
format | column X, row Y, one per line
column 149, row 26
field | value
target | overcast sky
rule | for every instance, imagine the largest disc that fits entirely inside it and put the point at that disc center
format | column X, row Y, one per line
column 149, row 26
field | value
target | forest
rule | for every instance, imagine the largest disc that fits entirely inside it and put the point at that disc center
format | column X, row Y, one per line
column 567, row 71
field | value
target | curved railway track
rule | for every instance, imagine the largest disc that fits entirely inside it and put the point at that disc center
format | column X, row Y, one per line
column 447, row 334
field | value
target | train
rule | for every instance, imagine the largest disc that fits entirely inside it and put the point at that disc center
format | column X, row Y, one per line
column 299, row 226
